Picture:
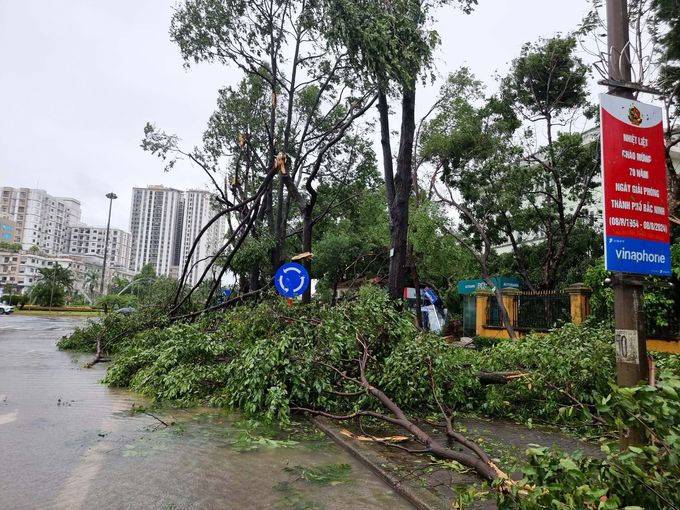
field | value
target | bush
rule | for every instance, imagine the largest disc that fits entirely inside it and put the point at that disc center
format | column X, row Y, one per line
column 114, row 301
column 666, row 362
column 48, row 295
column 116, row 329
column 640, row 477
column 15, row 299
column 257, row 358
column 260, row 358
column 78, row 300
column 572, row 361
column 484, row 342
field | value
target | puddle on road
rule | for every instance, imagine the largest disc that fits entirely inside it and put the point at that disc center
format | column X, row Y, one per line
column 74, row 443
column 221, row 461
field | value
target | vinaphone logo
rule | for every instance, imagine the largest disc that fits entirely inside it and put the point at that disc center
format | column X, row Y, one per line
column 634, row 115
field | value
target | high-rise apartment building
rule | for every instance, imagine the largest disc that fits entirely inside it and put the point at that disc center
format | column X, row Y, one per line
column 164, row 222
column 9, row 260
column 154, row 216
column 41, row 219
column 198, row 211
column 89, row 242
column 7, row 229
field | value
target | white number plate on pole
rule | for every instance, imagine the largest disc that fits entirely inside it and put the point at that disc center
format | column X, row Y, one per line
column 627, row 346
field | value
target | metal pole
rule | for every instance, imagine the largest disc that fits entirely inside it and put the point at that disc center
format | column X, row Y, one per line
column 111, row 196
column 52, row 291
column 629, row 304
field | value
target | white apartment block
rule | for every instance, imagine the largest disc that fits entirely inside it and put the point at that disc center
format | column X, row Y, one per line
column 155, row 214
column 198, row 211
column 89, row 242
column 21, row 271
column 164, row 222
column 9, row 270
column 9, row 259
column 41, row 219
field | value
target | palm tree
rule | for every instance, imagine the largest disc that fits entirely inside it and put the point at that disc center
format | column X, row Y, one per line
column 53, row 284
column 90, row 280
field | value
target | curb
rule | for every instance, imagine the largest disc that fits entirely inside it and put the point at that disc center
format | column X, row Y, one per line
column 69, row 314
column 419, row 497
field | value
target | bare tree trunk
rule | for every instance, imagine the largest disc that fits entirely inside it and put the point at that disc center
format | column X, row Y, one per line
column 307, row 247
column 254, row 283
column 400, row 193
column 334, row 299
column 243, row 285
column 507, row 322
column 505, row 316
column 416, row 285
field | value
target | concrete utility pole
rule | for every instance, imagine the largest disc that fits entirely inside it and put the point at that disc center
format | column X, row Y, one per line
column 111, row 196
column 629, row 304
column 619, row 49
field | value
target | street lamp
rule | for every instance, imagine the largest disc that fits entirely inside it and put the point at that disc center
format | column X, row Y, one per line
column 111, row 196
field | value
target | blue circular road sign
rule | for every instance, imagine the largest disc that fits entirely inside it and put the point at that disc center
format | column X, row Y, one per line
column 291, row 280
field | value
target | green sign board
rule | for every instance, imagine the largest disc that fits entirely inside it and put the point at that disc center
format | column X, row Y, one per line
column 470, row 286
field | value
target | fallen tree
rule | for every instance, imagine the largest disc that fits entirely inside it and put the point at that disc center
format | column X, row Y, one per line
column 365, row 359
column 480, row 461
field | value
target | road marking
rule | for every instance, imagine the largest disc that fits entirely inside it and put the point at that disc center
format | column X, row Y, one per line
column 9, row 417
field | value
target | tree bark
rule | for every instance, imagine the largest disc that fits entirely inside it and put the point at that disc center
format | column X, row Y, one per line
column 486, row 378
column 254, row 283
column 480, row 463
column 334, row 299
column 509, row 326
column 307, row 248
column 401, row 191
column 416, row 285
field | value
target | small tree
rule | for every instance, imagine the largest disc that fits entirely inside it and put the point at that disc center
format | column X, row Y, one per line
column 547, row 87
column 90, row 281
column 473, row 158
column 52, row 288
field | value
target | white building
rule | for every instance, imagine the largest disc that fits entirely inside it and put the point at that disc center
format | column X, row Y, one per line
column 89, row 241
column 198, row 211
column 41, row 219
column 21, row 271
column 164, row 222
column 155, row 221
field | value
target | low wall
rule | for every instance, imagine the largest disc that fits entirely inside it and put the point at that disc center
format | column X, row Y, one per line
column 652, row 343
column 580, row 309
column 33, row 308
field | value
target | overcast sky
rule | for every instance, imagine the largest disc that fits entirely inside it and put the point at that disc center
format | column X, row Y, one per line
column 79, row 79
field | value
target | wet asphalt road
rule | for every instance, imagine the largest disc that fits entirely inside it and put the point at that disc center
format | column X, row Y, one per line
column 68, row 442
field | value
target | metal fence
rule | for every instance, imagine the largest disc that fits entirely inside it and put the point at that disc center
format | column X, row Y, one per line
column 669, row 330
column 540, row 311
column 543, row 310
column 493, row 313
column 661, row 322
